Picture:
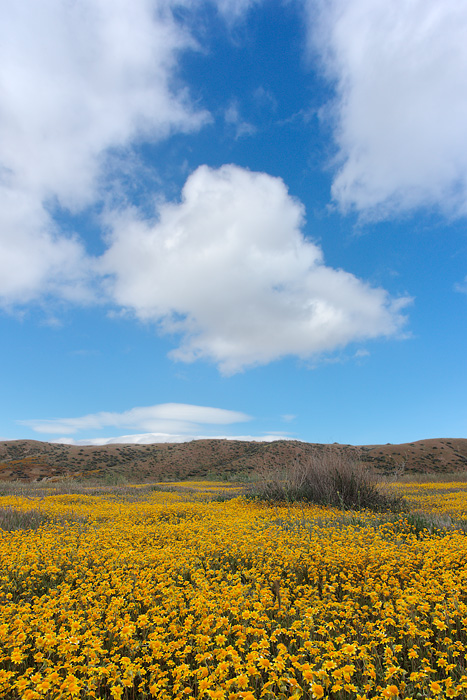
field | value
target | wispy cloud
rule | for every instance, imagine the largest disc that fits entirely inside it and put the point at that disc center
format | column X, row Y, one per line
column 233, row 10
column 288, row 417
column 461, row 286
column 234, row 119
column 265, row 99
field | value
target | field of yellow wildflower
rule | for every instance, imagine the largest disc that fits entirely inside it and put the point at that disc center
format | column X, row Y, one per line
column 157, row 594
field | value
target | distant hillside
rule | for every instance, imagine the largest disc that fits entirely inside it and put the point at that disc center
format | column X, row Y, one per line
column 440, row 455
column 31, row 460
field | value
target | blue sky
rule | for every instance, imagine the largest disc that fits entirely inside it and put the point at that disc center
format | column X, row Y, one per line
column 233, row 218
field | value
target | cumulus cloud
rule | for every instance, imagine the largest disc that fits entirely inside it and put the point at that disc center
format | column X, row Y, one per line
column 400, row 75
column 34, row 257
column 229, row 270
column 167, row 418
column 77, row 79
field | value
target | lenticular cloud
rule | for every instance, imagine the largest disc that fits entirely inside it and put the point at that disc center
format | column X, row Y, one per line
column 229, row 271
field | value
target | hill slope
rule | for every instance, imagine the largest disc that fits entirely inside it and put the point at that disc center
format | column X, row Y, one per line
column 33, row 460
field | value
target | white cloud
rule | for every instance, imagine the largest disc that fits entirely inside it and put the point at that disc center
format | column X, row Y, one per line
column 76, row 79
column 461, row 286
column 229, row 269
column 153, row 438
column 400, row 75
column 288, row 417
column 34, row 256
column 233, row 9
column 169, row 418
column 265, row 99
column 233, row 118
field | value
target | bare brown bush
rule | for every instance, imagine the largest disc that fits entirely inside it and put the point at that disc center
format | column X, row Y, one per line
column 329, row 477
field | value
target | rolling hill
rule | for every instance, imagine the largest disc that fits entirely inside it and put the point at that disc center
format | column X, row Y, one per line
column 31, row 460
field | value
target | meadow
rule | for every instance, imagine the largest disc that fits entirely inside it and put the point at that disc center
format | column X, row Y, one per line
column 193, row 592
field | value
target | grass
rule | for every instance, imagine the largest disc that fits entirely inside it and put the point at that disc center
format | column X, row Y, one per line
column 15, row 519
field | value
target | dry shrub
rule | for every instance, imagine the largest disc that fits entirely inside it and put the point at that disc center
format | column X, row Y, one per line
column 328, row 477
